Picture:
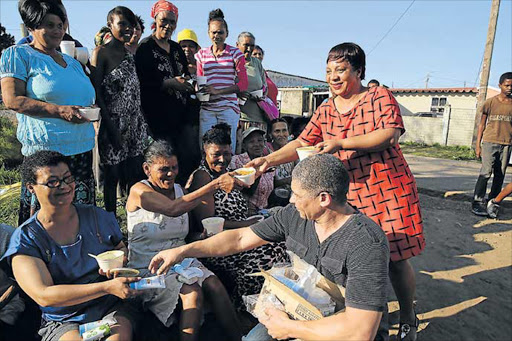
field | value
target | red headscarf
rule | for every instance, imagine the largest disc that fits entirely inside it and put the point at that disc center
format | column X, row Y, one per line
column 163, row 5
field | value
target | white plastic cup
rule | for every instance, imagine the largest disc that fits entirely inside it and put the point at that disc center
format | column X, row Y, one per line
column 68, row 47
column 82, row 55
column 213, row 225
column 246, row 175
column 203, row 97
column 110, row 260
column 92, row 114
column 305, row 152
column 201, row 81
column 257, row 93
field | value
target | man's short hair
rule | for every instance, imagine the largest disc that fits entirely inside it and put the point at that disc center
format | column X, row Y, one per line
column 323, row 173
column 245, row 34
column 506, row 75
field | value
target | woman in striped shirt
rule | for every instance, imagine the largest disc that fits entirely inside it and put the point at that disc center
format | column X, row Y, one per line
column 224, row 68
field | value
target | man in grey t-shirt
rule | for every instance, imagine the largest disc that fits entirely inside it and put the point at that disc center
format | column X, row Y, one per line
column 319, row 226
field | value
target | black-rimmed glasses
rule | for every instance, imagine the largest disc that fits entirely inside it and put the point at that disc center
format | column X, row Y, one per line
column 55, row 183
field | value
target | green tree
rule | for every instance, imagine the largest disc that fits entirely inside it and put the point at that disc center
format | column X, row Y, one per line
column 6, row 39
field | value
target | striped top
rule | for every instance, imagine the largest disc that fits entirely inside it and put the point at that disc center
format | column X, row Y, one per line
column 222, row 71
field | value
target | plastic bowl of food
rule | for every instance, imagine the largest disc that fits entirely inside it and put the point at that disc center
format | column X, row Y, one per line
column 125, row 272
column 110, row 260
column 213, row 225
column 305, row 152
column 92, row 114
column 246, row 175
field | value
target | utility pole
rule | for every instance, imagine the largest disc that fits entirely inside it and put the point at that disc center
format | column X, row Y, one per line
column 486, row 66
column 426, row 80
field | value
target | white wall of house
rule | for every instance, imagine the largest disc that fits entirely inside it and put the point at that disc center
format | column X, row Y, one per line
column 411, row 103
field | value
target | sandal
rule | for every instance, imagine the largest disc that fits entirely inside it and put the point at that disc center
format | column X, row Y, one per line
column 407, row 332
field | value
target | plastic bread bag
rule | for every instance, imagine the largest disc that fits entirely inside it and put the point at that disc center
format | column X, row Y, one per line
column 97, row 333
column 155, row 282
column 109, row 320
column 267, row 301
column 187, row 273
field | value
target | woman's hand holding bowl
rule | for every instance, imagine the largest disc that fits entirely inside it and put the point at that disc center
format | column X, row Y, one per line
column 227, row 182
column 70, row 113
column 329, row 146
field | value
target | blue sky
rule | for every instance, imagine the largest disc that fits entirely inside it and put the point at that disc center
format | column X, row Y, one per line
column 442, row 39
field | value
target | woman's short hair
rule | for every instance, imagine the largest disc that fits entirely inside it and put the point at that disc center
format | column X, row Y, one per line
column 350, row 52
column 219, row 134
column 257, row 47
column 217, row 15
column 141, row 22
column 124, row 11
column 33, row 11
column 40, row 159
column 323, row 173
column 159, row 149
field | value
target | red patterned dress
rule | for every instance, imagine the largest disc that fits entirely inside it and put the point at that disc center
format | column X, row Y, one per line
column 381, row 183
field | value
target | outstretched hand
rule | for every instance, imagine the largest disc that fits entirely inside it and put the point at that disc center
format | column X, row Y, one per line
column 164, row 260
column 261, row 165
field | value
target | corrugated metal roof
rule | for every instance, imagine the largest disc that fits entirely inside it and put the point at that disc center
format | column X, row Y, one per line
column 438, row 90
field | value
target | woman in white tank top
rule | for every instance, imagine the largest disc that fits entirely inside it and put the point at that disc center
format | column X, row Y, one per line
column 157, row 212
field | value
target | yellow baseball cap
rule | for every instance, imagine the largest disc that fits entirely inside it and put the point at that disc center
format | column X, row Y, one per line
column 187, row 34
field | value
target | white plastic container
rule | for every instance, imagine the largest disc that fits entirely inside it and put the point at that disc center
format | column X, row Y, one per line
column 110, row 260
column 68, row 47
column 305, row 152
column 92, row 114
column 213, row 225
column 201, row 82
column 82, row 55
column 246, row 175
column 257, row 93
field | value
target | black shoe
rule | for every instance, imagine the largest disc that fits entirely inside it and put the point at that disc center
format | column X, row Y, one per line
column 479, row 208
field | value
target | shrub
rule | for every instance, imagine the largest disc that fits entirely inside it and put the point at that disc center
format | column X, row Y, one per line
column 10, row 147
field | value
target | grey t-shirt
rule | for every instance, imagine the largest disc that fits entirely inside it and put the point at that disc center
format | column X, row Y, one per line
column 356, row 256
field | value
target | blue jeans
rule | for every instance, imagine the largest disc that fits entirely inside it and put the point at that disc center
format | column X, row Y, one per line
column 258, row 333
column 207, row 119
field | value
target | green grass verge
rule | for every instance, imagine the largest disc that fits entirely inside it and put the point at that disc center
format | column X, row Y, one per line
column 438, row 151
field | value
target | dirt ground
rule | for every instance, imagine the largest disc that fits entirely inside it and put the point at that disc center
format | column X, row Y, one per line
column 464, row 276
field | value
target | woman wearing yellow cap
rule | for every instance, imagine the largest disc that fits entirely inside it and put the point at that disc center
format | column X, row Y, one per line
column 190, row 129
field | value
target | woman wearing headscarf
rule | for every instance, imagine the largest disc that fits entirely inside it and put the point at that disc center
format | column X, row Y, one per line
column 163, row 73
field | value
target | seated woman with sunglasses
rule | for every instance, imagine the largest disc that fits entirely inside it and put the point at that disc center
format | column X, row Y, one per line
column 49, row 255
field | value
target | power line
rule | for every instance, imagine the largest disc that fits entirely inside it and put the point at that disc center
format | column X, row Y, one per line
column 389, row 31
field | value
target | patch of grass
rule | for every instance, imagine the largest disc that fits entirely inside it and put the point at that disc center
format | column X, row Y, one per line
column 438, row 151
column 10, row 147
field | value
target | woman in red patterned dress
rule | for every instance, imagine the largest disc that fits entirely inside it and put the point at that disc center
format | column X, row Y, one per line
column 361, row 126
